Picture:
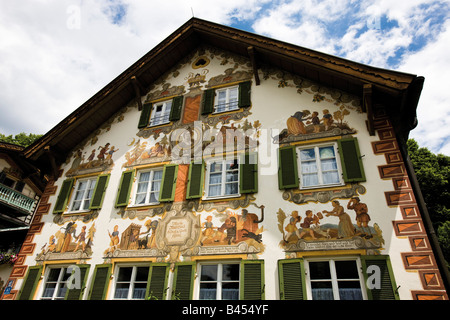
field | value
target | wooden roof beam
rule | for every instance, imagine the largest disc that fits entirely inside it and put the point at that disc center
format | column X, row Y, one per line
column 138, row 88
column 367, row 107
column 252, row 54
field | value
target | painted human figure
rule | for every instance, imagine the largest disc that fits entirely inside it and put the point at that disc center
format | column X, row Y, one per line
column 81, row 239
column 345, row 227
column 291, row 228
column 306, row 225
column 209, row 229
column 362, row 216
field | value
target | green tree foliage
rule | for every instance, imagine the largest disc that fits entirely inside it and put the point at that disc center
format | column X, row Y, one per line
column 21, row 139
column 433, row 174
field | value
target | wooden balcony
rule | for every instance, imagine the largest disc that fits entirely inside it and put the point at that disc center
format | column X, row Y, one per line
column 23, row 204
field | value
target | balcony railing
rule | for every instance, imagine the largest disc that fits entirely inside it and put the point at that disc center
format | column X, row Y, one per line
column 16, row 199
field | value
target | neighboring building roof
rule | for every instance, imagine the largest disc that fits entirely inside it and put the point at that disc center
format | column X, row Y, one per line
column 398, row 91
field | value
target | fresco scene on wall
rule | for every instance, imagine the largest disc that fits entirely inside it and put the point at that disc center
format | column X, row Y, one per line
column 142, row 153
column 185, row 233
column 95, row 160
column 343, row 226
column 308, row 124
column 73, row 240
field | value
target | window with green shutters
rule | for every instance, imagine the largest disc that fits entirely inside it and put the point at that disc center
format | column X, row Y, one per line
column 88, row 194
column 323, row 165
column 252, row 282
column 123, row 193
column 183, row 281
column 342, row 278
column 352, row 166
column 157, row 281
column 168, row 184
column 77, row 293
column 195, row 180
column 384, row 287
column 158, row 113
column 99, row 191
column 100, row 282
column 287, row 168
column 63, row 196
column 248, row 170
column 30, row 283
column 225, row 99
column 291, row 275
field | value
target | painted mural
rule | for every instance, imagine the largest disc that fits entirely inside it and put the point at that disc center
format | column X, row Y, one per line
column 185, row 233
column 333, row 229
column 73, row 240
column 306, row 124
column 95, row 160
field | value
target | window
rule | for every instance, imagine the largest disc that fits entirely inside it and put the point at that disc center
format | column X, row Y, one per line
column 335, row 280
column 55, row 284
column 222, row 178
column 226, row 99
column 323, row 165
column 131, row 283
column 219, row 281
column 160, row 113
column 319, row 166
column 148, row 187
column 82, row 196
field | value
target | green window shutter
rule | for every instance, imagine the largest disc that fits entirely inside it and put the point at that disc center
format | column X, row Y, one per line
column 248, row 173
column 352, row 167
column 287, row 168
column 195, row 180
column 157, row 281
column 252, row 285
column 30, row 283
column 183, row 281
column 291, row 276
column 144, row 119
column 63, row 196
column 99, row 286
column 381, row 266
column 77, row 294
column 207, row 103
column 175, row 111
column 123, row 194
column 99, row 191
column 244, row 94
column 169, row 180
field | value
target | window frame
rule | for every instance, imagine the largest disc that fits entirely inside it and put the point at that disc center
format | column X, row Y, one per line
column 219, row 275
column 316, row 148
column 334, row 280
column 136, row 184
column 165, row 113
column 227, row 104
column 60, row 283
column 75, row 190
column 223, row 183
column 132, row 281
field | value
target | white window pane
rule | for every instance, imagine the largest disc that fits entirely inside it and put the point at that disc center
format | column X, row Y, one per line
column 329, row 164
column 154, row 197
column 330, row 177
column 307, row 154
column 309, row 167
column 157, row 175
column 326, row 152
column 215, row 178
column 140, row 198
column 121, row 291
column 231, row 188
column 214, row 190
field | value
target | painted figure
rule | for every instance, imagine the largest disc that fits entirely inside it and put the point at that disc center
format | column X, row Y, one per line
column 362, row 216
column 295, row 124
column 306, row 225
column 81, row 239
column 114, row 239
column 345, row 227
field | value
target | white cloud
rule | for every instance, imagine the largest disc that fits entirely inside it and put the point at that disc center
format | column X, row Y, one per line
column 56, row 54
column 433, row 111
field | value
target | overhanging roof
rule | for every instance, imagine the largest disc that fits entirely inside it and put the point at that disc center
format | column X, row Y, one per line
column 398, row 91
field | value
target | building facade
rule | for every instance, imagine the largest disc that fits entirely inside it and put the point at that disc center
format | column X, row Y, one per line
column 226, row 165
column 20, row 190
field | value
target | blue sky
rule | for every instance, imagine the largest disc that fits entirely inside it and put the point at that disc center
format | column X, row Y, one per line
column 56, row 54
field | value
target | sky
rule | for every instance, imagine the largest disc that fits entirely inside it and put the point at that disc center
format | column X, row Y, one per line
column 56, row 54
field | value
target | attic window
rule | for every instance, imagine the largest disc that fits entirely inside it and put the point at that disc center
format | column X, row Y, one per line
column 200, row 62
